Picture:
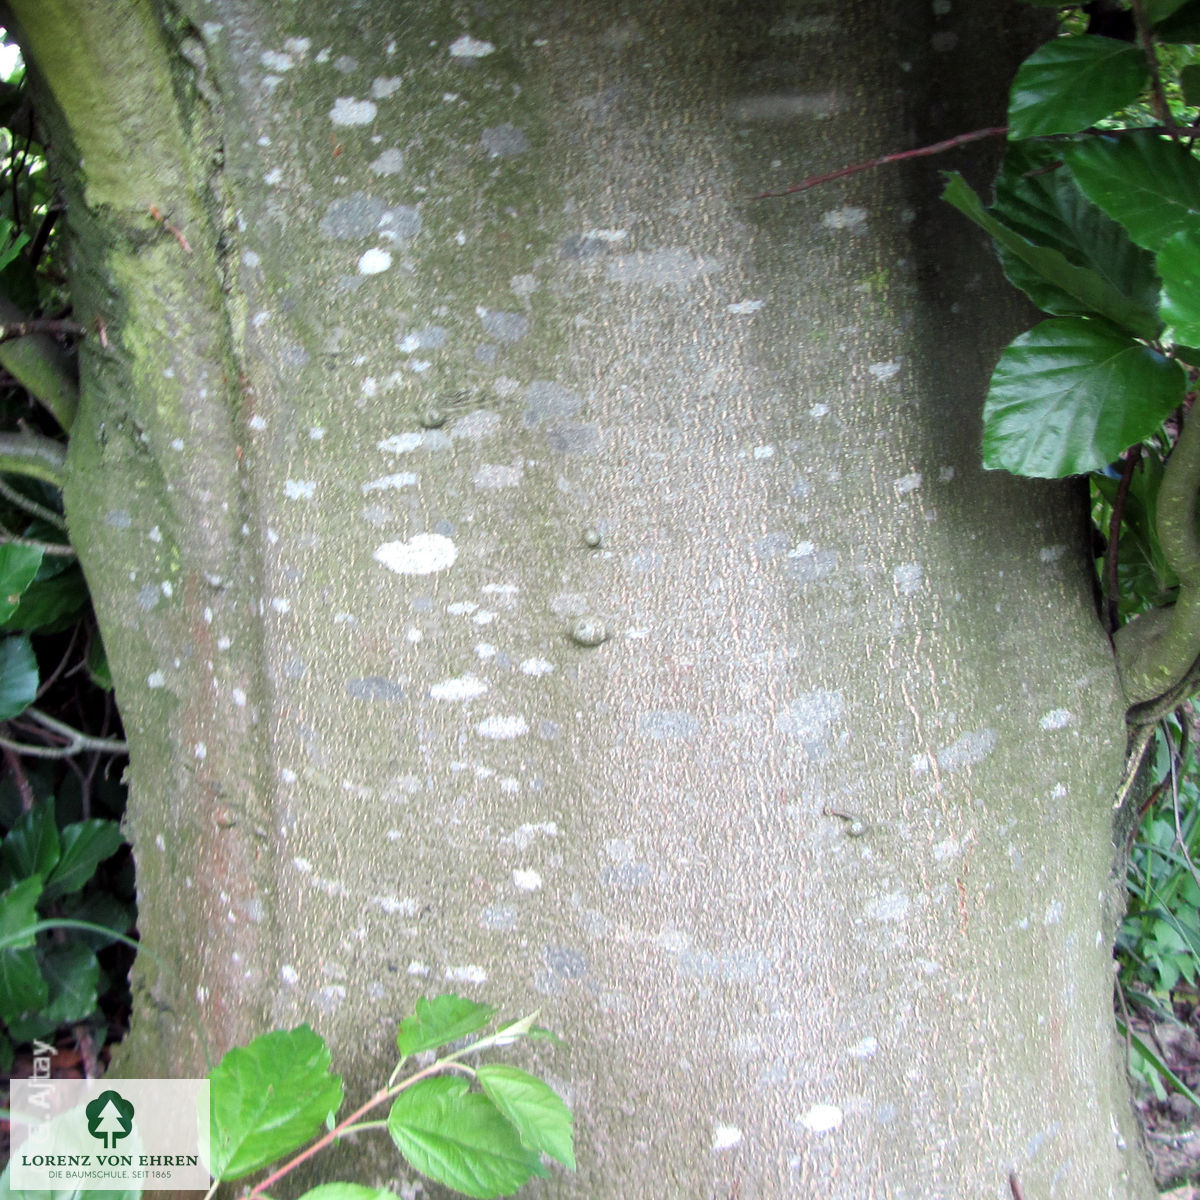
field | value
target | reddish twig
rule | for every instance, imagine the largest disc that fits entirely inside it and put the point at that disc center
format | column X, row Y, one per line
column 173, row 230
column 962, row 139
column 1014, row 1186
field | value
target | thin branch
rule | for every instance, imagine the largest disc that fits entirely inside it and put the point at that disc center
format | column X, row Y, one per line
column 51, row 325
column 76, row 741
column 921, row 152
column 10, row 539
column 32, row 507
column 1158, row 96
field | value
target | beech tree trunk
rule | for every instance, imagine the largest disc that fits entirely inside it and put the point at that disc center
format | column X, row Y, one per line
column 535, row 568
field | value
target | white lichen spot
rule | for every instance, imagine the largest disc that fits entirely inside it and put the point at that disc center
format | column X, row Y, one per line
column 155, row 535
column 424, row 554
column 1051, row 554
column 316, row 433
column 274, row 60
column 281, row 604
column 945, row 474
column 288, row 775
column 892, row 907
column 1053, row 913
column 464, row 687
column 160, row 842
column 401, row 443
column 466, row 974
column 844, row 218
column 744, row 308
column 395, row 906
column 302, row 864
column 383, row 87
column 257, row 423
column 166, row 588
column 884, row 371
column 971, row 748
column 483, row 617
column 822, row 1118
column 497, row 475
column 388, row 483
column 865, row 1048
column 469, row 47
column 239, row 697
column 810, row 715
column 156, row 679
column 536, row 667
column 908, row 578
column 416, row 967
column 761, row 452
column 374, row 262
column 819, row 410
column 908, row 483
column 725, row 1137
column 348, row 111
column 485, row 651
column 502, row 729
column 200, row 750
column 299, row 489
column 1056, row 718
column 526, row 880
column 289, row 975
column 461, row 608
column 947, row 848
column 390, row 162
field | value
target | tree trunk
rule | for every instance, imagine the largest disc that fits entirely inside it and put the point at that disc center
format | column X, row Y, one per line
column 534, row 568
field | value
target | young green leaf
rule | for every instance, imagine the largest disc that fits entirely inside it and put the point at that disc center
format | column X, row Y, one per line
column 1037, row 198
column 460, row 1139
column 31, row 846
column 1071, row 395
column 1149, row 184
column 348, row 1191
column 22, row 988
column 443, row 1019
column 1072, row 82
column 1080, row 289
column 85, row 845
column 268, row 1099
column 1179, row 266
column 18, row 676
column 18, row 566
column 541, row 1118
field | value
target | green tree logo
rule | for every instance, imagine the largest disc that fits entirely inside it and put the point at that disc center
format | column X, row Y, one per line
column 109, row 1118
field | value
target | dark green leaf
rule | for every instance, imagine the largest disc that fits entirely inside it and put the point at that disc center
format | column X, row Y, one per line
column 1072, row 82
column 1037, row 198
column 443, row 1019
column 31, row 847
column 460, row 1139
column 1160, row 10
column 97, row 665
column 72, row 972
column 51, row 602
column 1071, row 395
column 1189, row 84
column 1183, row 25
column 18, row 676
column 1147, row 183
column 18, row 566
column 103, row 910
column 541, row 1118
column 85, row 845
column 1090, row 291
column 348, row 1191
column 268, row 1099
column 1179, row 266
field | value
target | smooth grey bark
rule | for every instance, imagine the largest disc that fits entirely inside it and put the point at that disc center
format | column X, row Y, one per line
column 462, row 286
